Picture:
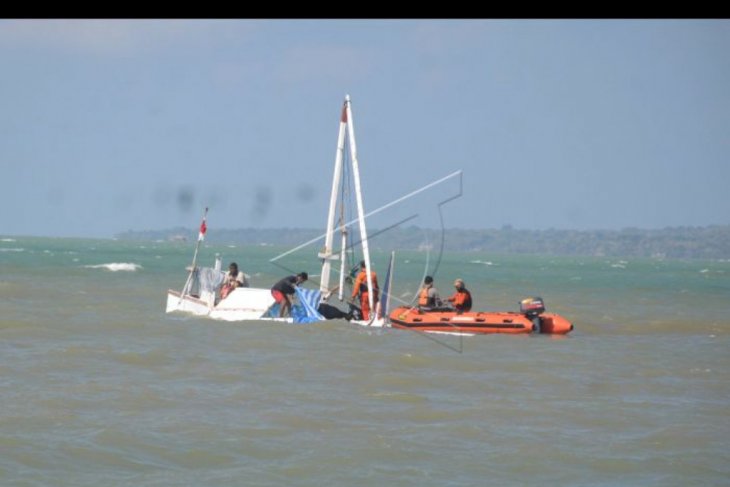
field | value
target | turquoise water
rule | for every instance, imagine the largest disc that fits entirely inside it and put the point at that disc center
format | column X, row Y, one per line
column 98, row 386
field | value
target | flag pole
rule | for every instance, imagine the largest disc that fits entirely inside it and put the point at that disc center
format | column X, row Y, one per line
column 201, row 236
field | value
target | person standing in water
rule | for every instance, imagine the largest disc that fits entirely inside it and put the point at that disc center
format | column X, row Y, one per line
column 361, row 288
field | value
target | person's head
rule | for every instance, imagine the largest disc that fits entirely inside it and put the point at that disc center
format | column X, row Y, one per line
column 362, row 264
column 233, row 267
column 428, row 280
column 459, row 284
column 302, row 276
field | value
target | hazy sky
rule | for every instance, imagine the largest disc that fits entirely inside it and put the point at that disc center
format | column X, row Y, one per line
column 108, row 126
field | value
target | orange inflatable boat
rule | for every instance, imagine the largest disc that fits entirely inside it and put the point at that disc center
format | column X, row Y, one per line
column 530, row 319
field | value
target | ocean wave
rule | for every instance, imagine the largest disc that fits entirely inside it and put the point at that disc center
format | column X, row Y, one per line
column 116, row 266
column 7, row 240
column 9, row 249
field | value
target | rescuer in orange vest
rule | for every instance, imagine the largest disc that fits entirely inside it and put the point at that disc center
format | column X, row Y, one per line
column 461, row 300
column 428, row 297
column 361, row 287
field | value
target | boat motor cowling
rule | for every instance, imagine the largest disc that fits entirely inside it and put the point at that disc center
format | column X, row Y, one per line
column 532, row 306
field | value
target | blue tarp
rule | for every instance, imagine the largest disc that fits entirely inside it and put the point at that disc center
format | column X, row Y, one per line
column 306, row 310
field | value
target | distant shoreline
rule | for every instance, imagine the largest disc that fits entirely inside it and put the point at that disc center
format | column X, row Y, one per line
column 709, row 242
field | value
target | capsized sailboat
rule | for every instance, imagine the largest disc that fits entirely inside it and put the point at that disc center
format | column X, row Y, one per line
column 200, row 296
column 200, row 293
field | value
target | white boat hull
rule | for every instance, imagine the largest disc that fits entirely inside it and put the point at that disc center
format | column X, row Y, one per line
column 186, row 304
column 243, row 304
column 376, row 323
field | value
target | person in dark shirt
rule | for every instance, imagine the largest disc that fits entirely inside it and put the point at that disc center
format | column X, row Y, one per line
column 283, row 292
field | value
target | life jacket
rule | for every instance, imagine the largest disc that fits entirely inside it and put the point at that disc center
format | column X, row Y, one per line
column 361, row 284
column 363, row 279
column 462, row 300
column 423, row 298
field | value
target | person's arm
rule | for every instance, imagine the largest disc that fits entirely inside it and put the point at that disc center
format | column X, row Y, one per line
column 356, row 286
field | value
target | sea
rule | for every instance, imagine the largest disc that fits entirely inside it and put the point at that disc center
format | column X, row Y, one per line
column 100, row 387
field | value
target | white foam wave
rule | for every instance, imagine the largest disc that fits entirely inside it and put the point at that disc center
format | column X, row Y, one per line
column 7, row 240
column 116, row 266
column 12, row 250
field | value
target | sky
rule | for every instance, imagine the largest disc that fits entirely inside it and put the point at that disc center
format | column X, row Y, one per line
column 115, row 125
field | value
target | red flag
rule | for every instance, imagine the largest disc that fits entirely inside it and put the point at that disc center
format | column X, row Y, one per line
column 203, row 229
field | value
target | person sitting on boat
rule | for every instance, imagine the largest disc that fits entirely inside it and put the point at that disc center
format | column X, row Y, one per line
column 283, row 291
column 461, row 300
column 233, row 279
column 428, row 297
column 361, row 287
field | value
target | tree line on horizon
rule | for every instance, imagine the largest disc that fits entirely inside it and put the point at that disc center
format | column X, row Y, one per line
column 710, row 242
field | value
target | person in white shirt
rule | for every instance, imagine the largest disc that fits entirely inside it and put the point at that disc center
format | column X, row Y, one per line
column 234, row 278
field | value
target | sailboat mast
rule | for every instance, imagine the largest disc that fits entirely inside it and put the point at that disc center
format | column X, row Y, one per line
column 201, row 235
column 358, row 199
column 343, row 260
column 326, row 253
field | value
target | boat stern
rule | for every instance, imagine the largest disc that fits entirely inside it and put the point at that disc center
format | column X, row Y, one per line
column 187, row 304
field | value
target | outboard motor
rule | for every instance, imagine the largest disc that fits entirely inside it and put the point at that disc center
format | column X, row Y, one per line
column 355, row 312
column 533, row 308
column 332, row 312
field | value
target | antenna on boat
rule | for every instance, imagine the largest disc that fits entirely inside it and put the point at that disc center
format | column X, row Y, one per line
column 201, row 236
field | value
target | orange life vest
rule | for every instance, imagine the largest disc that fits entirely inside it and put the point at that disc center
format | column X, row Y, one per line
column 423, row 297
column 461, row 300
column 361, row 284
